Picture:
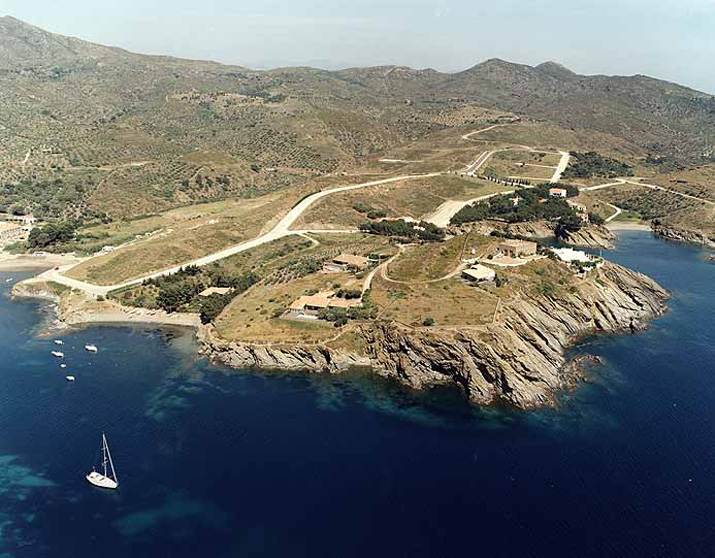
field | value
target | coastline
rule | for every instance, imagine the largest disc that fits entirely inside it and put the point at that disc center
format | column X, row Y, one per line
column 521, row 360
column 627, row 226
column 73, row 309
column 25, row 262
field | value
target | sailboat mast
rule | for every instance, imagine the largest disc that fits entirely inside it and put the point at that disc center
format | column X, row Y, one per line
column 111, row 463
column 104, row 453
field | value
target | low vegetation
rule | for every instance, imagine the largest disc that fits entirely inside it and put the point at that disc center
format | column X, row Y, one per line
column 593, row 165
column 531, row 205
column 400, row 228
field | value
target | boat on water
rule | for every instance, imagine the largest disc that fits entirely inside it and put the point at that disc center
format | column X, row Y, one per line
column 69, row 378
column 63, row 365
column 58, row 354
column 59, row 342
column 107, row 479
column 91, row 348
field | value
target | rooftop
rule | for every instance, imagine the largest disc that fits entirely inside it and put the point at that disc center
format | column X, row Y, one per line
column 215, row 291
column 4, row 227
column 351, row 259
column 479, row 272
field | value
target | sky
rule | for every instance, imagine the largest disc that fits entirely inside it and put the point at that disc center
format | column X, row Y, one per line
column 667, row 39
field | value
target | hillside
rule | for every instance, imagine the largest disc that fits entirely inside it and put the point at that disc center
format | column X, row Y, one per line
column 88, row 130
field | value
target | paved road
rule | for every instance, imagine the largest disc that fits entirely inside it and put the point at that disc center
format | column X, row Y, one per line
column 476, row 165
column 282, row 229
column 561, row 167
column 444, row 213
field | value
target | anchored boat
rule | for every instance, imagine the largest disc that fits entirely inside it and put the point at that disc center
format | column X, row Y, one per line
column 109, row 478
column 70, row 378
column 91, row 348
column 59, row 342
column 58, row 354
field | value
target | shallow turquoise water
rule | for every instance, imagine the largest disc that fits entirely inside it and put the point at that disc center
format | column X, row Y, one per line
column 228, row 463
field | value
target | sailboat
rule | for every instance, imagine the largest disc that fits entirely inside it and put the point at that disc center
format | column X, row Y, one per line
column 104, row 480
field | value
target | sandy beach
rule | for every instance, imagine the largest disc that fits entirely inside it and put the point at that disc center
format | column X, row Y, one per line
column 627, row 226
column 22, row 262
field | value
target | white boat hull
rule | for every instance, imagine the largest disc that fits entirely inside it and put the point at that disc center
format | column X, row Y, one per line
column 90, row 348
column 98, row 479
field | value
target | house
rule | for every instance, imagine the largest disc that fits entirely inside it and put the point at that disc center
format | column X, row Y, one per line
column 215, row 291
column 479, row 274
column 24, row 219
column 10, row 230
column 310, row 305
column 517, row 248
column 344, row 303
column 345, row 261
column 557, row 192
column 569, row 255
column 581, row 209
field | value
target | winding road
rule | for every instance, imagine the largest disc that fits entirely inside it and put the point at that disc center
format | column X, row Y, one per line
column 282, row 229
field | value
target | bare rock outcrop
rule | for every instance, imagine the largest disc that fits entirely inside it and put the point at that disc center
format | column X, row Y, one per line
column 683, row 235
column 592, row 236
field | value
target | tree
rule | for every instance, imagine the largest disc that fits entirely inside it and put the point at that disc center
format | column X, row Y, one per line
column 427, row 322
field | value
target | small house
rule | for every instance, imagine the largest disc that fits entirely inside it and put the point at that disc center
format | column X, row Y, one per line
column 479, row 274
column 345, row 261
column 517, row 248
column 10, row 230
column 215, row 291
column 557, row 192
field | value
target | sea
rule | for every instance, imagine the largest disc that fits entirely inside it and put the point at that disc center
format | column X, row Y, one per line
column 214, row 462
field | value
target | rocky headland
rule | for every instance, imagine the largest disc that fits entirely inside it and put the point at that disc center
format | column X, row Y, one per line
column 519, row 359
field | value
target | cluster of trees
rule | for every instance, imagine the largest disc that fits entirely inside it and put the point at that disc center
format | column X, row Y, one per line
column 340, row 316
column 591, row 164
column 533, row 205
column 424, row 231
column 53, row 233
column 369, row 211
column 47, row 199
column 182, row 288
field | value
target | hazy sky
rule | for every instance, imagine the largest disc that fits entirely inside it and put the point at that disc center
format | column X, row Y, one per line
column 669, row 39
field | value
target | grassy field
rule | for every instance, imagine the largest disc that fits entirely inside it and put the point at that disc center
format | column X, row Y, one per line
column 448, row 303
column 520, row 164
column 182, row 235
column 433, row 261
column 252, row 317
column 414, row 198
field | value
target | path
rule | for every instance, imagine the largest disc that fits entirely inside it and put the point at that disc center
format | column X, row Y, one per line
column 282, row 229
column 621, row 181
column 561, row 167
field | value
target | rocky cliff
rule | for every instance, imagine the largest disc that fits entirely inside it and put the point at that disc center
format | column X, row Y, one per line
column 683, row 235
column 519, row 359
column 594, row 236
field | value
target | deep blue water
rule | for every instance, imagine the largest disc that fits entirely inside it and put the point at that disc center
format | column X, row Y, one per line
column 215, row 463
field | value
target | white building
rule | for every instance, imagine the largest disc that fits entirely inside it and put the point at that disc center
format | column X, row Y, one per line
column 479, row 274
column 570, row 255
column 557, row 192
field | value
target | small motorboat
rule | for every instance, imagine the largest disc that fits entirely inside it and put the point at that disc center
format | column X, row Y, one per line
column 91, row 348
column 58, row 354
column 63, row 365
column 70, row 378
column 59, row 342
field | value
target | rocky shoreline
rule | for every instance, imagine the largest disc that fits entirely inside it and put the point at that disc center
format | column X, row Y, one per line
column 594, row 236
column 519, row 360
column 683, row 235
